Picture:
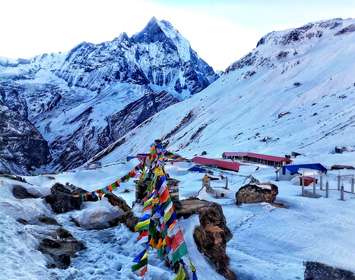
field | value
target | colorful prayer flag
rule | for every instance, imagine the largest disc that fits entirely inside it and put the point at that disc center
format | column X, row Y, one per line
column 139, row 265
column 177, row 240
column 181, row 275
column 179, row 253
column 164, row 196
column 142, row 225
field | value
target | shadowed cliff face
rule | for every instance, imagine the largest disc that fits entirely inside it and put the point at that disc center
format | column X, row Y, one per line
column 22, row 148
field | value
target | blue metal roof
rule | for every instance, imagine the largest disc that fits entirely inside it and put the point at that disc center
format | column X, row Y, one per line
column 293, row 168
column 196, row 168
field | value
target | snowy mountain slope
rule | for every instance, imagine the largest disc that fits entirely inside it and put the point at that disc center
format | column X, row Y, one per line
column 294, row 91
column 78, row 100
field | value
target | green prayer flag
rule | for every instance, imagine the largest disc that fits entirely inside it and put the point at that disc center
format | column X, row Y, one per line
column 139, row 265
column 179, row 253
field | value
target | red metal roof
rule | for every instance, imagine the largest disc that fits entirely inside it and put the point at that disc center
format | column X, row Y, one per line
column 258, row 156
column 225, row 164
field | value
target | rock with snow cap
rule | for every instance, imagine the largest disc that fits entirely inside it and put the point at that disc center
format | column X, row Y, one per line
column 256, row 193
column 62, row 198
column 60, row 247
column 212, row 235
column 100, row 216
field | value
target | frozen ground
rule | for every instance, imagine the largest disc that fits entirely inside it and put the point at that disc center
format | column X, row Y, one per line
column 268, row 242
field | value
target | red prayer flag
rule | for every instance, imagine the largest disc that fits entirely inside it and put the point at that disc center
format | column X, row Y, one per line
column 142, row 234
column 164, row 196
column 177, row 240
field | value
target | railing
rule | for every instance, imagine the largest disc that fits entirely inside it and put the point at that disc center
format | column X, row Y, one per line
column 345, row 184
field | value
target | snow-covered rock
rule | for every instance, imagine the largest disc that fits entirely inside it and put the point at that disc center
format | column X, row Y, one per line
column 256, row 193
column 100, row 216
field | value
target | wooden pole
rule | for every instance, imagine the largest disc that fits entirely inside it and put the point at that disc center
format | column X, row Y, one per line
column 314, row 187
column 321, row 181
column 327, row 189
column 302, row 181
column 342, row 192
column 338, row 177
column 352, row 184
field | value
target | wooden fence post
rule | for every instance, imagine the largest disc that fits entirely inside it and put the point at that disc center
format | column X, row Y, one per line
column 338, row 177
column 327, row 189
column 226, row 186
column 314, row 187
column 321, row 181
column 352, row 184
column 302, row 182
column 342, row 192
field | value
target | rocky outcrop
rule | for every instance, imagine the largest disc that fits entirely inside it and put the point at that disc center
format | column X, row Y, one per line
column 256, row 193
column 62, row 199
column 127, row 217
column 21, row 192
column 60, row 246
column 133, row 115
column 65, row 198
column 212, row 235
column 320, row 271
column 48, row 220
column 22, row 147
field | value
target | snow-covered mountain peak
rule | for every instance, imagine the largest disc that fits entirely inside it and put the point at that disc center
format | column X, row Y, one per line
column 163, row 31
column 155, row 30
column 122, row 37
column 85, row 99
column 303, row 34
column 289, row 46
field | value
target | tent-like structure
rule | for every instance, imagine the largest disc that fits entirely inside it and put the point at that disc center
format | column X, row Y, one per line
column 288, row 171
column 294, row 168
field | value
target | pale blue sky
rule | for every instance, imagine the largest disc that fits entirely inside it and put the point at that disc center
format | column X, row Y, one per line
column 220, row 31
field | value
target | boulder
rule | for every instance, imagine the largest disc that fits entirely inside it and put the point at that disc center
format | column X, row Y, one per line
column 59, row 248
column 256, row 193
column 101, row 216
column 62, row 198
column 47, row 220
column 21, row 192
column 127, row 217
column 320, row 271
column 212, row 235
